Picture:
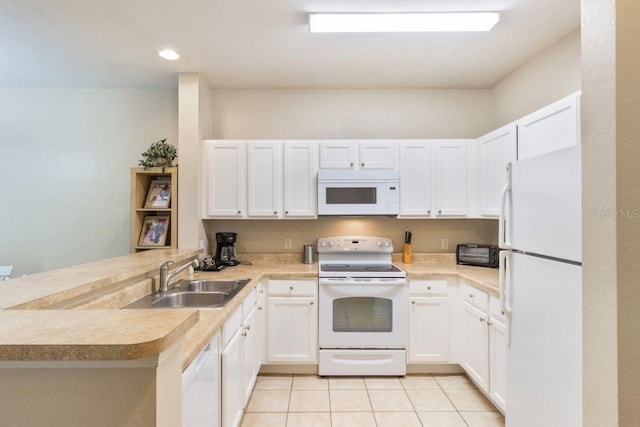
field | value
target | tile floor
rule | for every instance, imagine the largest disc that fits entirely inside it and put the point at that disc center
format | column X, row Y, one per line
column 415, row 400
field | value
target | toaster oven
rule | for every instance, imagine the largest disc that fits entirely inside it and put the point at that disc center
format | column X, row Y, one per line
column 477, row 254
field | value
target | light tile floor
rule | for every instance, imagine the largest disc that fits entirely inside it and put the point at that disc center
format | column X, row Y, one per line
column 415, row 400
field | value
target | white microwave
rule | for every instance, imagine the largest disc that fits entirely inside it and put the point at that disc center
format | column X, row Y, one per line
column 358, row 192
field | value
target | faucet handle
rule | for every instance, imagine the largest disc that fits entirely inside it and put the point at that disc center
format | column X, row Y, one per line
column 166, row 264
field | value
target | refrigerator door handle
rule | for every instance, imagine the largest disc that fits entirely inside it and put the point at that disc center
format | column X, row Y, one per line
column 505, row 290
column 502, row 222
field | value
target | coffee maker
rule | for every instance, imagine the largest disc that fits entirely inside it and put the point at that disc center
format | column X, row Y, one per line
column 225, row 250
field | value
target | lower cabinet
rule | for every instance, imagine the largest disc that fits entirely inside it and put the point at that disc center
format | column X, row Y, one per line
column 241, row 359
column 428, row 321
column 484, row 338
column 201, row 388
column 292, row 321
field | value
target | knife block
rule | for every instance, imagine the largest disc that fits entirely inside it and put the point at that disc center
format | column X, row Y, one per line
column 406, row 253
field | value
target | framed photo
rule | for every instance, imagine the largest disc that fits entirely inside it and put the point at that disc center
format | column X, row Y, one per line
column 159, row 194
column 154, row 231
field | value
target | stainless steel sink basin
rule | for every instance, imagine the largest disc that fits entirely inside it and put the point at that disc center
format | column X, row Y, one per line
column 194, row 294
column 193, row 299
column 211, row 285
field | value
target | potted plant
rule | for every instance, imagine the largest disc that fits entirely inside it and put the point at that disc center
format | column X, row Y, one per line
column 159, row 154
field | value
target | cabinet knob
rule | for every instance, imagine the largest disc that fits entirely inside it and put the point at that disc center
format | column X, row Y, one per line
column 239, row 212
column 248, row 327
column 311, row 303
column 413, row 301
column 489, row 323
column 428, row 288
column 482, row 320
column 439, row 212
column 244, row 334
column 351, row 164
column 502, row 312
column 275, row 212
column 290, row 288
column 428, row 212
column 286, row 212
column 471, row 296
column 362, row 164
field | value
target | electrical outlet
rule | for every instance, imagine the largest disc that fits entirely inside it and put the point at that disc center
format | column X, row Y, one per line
column 287, row 243
column 445, row 244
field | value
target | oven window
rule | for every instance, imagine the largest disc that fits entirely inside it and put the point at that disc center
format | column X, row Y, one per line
column 362, row 314
column 351, row 195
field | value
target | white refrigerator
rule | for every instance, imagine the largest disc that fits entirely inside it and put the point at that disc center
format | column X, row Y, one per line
column 541, row 289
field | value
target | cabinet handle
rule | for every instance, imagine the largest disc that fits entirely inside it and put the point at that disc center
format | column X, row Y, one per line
column 428, row 288
column 413, row 301
column 311, row 303
column 482, row 320
column 239, row 212
column 248, row 327
column 290, row 288
column 502, row 312
column 351, row 164
column 489, row 323
column 428, row 212
column 275, row 212
column 286, row 212
column 244, row 334
column 362, row 164
column 439, row 212
column 471, row 296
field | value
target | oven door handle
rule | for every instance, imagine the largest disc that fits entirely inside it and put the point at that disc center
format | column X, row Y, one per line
column 355, row 282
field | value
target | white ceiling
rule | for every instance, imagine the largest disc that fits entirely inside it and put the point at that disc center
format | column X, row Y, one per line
column 263, row 43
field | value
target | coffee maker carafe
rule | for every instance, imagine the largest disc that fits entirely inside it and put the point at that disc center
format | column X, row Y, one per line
column 225, row 250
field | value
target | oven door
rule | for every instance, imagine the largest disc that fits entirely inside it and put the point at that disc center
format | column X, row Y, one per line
column 362, row 313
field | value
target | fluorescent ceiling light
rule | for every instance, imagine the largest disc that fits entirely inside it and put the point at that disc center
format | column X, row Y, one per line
column 169, row 54
column 401, row 22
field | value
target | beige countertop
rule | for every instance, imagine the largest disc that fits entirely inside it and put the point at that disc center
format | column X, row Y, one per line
column 31, row 334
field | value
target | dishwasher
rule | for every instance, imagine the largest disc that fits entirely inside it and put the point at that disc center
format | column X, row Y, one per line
column 201, row 388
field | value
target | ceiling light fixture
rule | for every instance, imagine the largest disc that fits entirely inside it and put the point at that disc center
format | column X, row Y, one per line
column 401, row 22
column 169, row 54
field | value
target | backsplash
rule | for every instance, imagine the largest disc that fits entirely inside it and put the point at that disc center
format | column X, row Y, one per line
column 268, row 236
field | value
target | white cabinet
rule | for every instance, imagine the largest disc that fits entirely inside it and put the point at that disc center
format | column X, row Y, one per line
column 232, row 384
column 497, row 354
column 551, row 128
column 292, row 325
column 264, row 179
column 415, row 179
column 224, row 175
column 433, row 167
column 428, row 321
column 475, row 354
column 300, row 179
column 497, row 148
column 201, row 388
column 241, row 358
column 344, row 154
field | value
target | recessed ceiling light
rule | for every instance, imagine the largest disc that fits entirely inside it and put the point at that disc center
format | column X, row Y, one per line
column 169, row 54
column 401, row 22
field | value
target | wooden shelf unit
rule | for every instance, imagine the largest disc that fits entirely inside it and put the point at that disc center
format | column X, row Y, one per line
column 140, row 180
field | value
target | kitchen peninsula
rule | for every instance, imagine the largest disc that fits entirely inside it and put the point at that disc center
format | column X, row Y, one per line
column 67, row 349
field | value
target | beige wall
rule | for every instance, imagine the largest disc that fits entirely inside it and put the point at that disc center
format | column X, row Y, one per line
column 327, row 114
column 552, row 75
column 255, row 236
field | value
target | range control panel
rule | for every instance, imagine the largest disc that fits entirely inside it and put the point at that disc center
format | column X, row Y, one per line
column 363, row 244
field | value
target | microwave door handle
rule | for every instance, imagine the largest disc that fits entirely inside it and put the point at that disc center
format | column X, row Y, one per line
column 503, row 224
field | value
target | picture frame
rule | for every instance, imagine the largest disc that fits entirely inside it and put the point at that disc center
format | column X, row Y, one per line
column 158, row 195
column 154, row 230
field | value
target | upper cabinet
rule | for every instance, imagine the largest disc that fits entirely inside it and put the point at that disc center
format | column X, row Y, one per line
column 497, row 148
column 300, row 179
column 433, row 176
column 260, row 179
column 264, row 172
column 551, row 128
column 345, row 154
column 225, row 175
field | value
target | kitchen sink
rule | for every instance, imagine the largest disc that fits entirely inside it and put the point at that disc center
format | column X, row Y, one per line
column 211, row 285
column 193, row 299
column 194, row 294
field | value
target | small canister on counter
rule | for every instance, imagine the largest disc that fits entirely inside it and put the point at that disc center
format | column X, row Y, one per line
column 309, row 254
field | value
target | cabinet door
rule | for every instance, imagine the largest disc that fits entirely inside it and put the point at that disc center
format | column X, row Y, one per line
column 201, row 388
column 428, row 329
column 475, row 337
column 496, row 150
column 232, row 392
column 415, row 179
column 300, row 179
column 377, row 154
column 498, row 362
column 265, row 179
column 225, row 183
column 450, row 168
column 338, row 154
column 250, row 353
column 292, row 329
column 551, row 128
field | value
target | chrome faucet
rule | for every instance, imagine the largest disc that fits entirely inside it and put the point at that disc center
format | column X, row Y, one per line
column 165, row 276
